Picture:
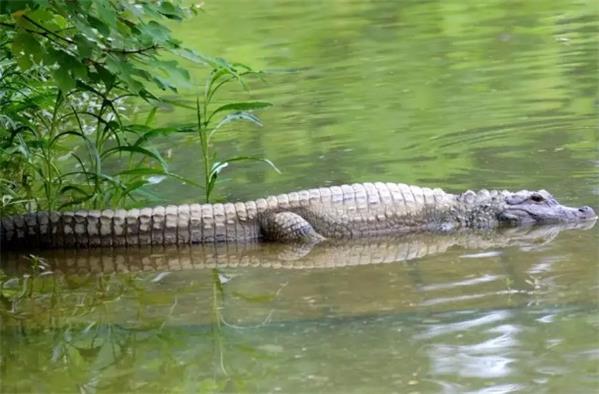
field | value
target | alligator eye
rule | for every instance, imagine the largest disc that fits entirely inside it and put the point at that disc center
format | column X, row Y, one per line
column 537, row 198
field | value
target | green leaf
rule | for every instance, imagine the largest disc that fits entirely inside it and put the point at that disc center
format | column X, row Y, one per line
column 151, row 116
column 171, row 11
column 107, row 77
column 247, row 116
column 142, row 130
column 9, row 7
column 193, row 56
column 26, row 50
column 155, row 32
column 98, row 25
column 106, row 178
column 146, row 171
column 85, row 196
column 77, row 189
column 106, row 12
column 65, row 133
column 84, row 46
column 241, row 106
column 253, row 158
column 123, row 71
column 162, row 83
column 149, row 152
column 83, row 27
column 175, row 75
column 152, row 133
column 133, row 186
column 47, row 18
column 219, row 166
column 146, row 9
column 64, row 80
column 76, row 68
column 91, row 149
column 147, row 96
column 81, row 163
column 214, row 82
column 179, row 102
column 69, row 70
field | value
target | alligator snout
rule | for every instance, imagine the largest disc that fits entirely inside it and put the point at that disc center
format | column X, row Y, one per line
column 586, row 213
column 566, row 214
column 526, row 207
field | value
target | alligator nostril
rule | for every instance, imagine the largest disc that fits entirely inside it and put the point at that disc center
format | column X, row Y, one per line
column 586, row 210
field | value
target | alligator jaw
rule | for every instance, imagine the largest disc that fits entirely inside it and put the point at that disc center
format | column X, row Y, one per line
column 519, row 217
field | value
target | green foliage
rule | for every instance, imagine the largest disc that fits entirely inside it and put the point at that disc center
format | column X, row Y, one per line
column 66, row 69
column 208, row 124
column 107, row 43
column 67, row 149
column 69, row 71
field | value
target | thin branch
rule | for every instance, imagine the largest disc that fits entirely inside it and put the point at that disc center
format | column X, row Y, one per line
column 132, row 51
column 47, row 32
column 50, row 32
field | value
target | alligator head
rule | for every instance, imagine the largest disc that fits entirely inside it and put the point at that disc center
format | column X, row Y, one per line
column 539, row 207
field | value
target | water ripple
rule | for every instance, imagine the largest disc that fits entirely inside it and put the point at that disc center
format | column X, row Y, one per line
column 475, row 357
column 467, row 282
column 435, row 330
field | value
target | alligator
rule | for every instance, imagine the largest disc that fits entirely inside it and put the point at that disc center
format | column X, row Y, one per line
column 308, row 216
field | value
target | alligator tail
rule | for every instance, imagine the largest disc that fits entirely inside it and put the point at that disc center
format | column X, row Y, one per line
column 183, row 224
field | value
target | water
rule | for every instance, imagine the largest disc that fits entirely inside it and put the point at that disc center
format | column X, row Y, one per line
column 431, row 93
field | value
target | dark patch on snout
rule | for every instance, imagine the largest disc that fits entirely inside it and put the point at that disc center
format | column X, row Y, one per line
column 586, row 213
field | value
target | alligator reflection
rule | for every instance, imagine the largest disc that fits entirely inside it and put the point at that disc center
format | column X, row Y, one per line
column 221, row 318
column 265, row 255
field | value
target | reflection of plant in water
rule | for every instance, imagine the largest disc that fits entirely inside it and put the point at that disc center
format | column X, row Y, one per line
column 120, row 332
column 72, row 312
column 224, row 378
column 15, row 291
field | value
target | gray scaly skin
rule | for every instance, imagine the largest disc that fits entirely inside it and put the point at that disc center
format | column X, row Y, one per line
column 310, row 216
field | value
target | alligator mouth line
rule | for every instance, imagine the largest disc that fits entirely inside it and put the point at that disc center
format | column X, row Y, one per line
column 536, row 218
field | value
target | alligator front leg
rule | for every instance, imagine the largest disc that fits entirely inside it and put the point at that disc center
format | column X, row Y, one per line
column 288, row 227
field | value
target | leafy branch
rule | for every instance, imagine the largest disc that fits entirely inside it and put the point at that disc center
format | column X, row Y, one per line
column 68, row 71
column 65, row 69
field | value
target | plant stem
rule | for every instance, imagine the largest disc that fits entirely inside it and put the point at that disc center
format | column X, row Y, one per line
column 202, row 133
column 47, row 155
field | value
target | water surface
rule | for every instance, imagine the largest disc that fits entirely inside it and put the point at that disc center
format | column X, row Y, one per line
column 435, row 93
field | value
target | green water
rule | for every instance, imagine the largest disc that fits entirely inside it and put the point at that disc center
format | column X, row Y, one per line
column 446, row 94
